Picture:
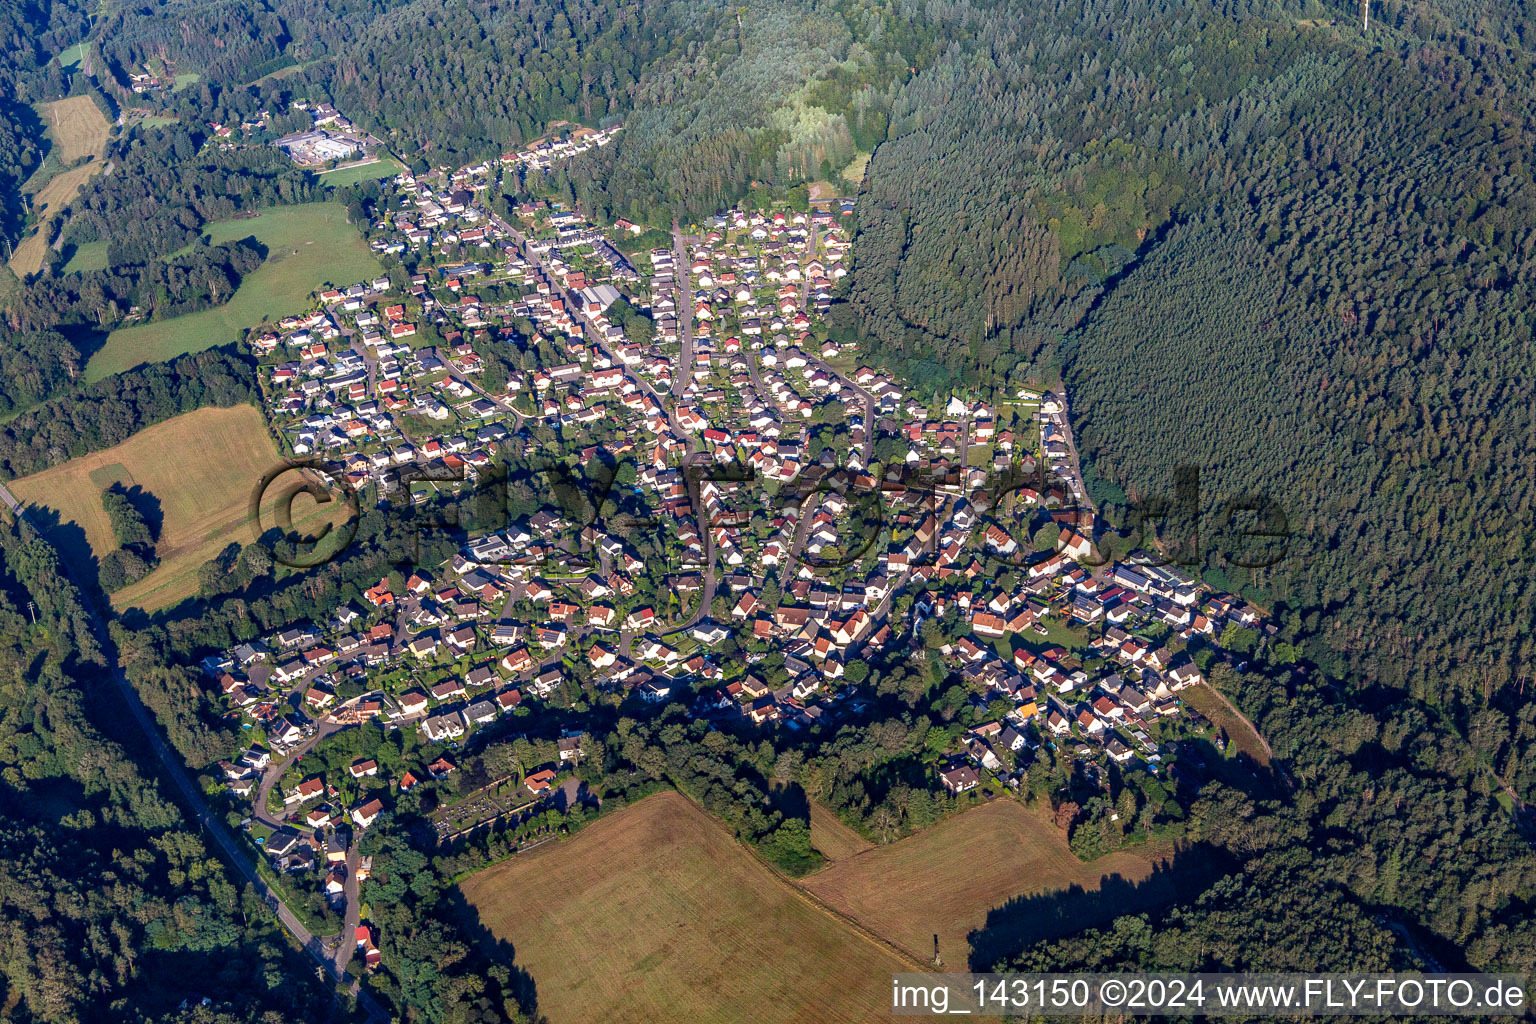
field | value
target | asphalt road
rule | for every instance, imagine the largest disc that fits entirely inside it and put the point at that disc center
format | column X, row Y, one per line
column 683, row 372
column 235, row 853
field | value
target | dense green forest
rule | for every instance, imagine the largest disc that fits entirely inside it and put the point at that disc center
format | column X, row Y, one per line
column 452, row 81
column 114, row 409
column 1273, row 251
column 184, row 283
column 34, row 365
column 1244, row 236
column 20, row 152
column 1298, row 261
column 32, row 33
column 1026, row 169
column 111, row 908
column 231, row 43
column 1368, row 342
column 797, row 93
column 457, row 81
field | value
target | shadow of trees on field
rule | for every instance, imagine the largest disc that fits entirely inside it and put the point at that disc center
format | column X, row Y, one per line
column 146, row 504
column 499, row 951
column 87, row 338
column 1200, row 762
column 68, row 537
column 791, row 801
column 1039, row 917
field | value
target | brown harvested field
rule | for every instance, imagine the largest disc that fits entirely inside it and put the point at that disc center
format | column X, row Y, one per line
column 76, row 127
column 27, row 259
column 49, row 200
column 946, row 879
column 656, row 914
column 1241, row 736
column 201, row 467
column 831, row 838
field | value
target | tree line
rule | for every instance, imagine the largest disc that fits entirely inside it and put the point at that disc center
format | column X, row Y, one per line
column 111, row 901
column 166, row 184
column 110, row 411
column 186, row 282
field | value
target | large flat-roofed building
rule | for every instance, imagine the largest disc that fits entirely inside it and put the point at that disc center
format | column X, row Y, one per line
column 316, row 147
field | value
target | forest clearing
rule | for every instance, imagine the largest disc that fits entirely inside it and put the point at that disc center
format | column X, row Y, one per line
column 308, row 246
column 199, row 470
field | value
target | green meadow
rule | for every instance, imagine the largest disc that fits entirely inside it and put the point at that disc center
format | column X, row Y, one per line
column 385, row 167
column 70, row 59
column 87, row 256
column 309, row 247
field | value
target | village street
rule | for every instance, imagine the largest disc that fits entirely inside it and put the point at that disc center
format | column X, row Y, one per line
column 235, row 853
column 680, row 375
column 668, row 406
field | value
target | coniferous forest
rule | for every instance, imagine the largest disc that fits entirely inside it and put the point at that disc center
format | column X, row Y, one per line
column 1243, row 236
column 1292, row 259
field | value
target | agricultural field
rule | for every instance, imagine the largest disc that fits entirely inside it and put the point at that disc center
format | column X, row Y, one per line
column 309, row 247
column 75, row 129
column 831, row 838
column 61, row 188
column 201, row 468
column 87, row 256
column 656, row 914
column 385, row 167
column 75, row 126
column 946, row 881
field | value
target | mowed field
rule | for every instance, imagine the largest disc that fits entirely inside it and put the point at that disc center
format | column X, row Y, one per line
column 87, row 256
column 944, row 880
column 70, row 58
column 75, row 128
column 1241, row 737
column 384, row 167
column 656, row 914
column 309, row 247
column 201, row 467
column 831, row 838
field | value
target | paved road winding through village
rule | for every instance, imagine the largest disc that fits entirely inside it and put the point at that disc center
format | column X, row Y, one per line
column 236, row 854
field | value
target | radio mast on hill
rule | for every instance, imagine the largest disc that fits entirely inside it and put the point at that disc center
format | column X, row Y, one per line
column 1366, row 4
